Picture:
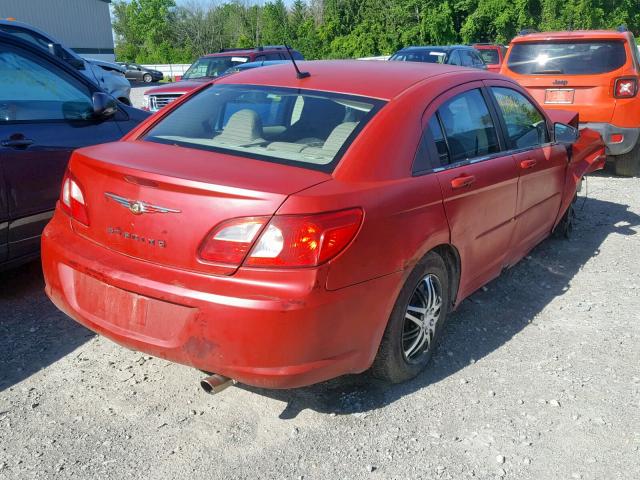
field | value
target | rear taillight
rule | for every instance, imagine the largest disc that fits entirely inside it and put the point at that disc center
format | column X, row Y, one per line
column 72, row 200
column 305, row 240
column 230, row 241
column 282, row 241
column 625, row 87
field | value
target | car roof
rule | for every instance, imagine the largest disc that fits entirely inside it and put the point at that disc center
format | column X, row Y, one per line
column 572, row 35
column 435, row 47
column 351, row 77
column 261, row 63
column 247, row 51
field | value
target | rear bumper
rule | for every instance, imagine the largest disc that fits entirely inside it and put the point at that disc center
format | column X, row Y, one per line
column 630, row 136
column 268, row 329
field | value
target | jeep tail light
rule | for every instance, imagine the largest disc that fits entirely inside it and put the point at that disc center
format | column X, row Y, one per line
column 72, row 200
column 625, row 88
column 305, row 240
column 282, row 240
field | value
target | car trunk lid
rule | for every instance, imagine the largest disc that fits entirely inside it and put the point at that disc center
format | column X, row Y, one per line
column 158, row 202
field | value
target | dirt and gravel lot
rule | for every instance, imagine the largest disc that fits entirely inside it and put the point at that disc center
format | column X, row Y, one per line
column 538, row 378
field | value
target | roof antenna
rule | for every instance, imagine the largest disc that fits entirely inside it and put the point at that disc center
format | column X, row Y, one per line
column 299, row 74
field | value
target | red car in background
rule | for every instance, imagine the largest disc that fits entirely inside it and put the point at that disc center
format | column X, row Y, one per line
column 492, row 54
column 209, row 67
column 281, row 230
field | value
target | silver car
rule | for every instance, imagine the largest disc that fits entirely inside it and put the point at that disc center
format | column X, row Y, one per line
column 108, row 76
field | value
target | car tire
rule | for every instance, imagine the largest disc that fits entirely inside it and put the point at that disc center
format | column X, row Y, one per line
column 395, row 361
column 564, row 229
column 147, row 78
column 628, row 165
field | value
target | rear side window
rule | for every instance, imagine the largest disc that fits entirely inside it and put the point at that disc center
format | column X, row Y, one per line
column 490, row 57
column 305, row 128
column 426, row 56
column 567, row 58
column 468, row 128
column 526, row 126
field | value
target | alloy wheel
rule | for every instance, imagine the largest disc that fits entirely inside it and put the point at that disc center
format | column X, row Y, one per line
column 421, row 318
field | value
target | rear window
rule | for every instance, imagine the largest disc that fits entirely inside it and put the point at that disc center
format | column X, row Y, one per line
column 298, row 127
column 426, row 56
column 567, row 58
column 490, row 57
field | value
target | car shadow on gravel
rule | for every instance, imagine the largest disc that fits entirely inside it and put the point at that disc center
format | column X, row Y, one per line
column 484, row 322
column 33, row 333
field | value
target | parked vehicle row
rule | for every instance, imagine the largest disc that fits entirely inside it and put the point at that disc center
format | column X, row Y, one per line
column 241, row 228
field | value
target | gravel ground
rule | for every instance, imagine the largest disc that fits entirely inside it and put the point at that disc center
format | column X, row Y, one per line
column 538, row 377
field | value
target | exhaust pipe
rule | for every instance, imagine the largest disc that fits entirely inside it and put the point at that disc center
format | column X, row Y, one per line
column 216, row 383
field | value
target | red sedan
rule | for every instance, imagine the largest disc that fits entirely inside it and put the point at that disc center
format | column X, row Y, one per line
column 281, row 229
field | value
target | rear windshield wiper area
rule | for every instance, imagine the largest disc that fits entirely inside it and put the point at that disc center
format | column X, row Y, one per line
column 547, row 72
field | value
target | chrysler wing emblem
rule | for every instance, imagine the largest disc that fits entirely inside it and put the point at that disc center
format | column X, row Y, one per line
column 138, row 207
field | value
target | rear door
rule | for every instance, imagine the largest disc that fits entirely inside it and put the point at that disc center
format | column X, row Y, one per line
column 44, row 115
column 541, row 163
column 478, row 181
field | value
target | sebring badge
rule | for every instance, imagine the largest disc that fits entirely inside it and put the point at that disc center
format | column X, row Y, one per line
column 138, row 207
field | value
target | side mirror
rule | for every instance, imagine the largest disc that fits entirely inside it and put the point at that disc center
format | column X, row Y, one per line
column 565, row 133
column 104, row 105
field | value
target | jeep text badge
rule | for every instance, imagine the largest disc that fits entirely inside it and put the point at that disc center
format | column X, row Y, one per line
column 138, row 207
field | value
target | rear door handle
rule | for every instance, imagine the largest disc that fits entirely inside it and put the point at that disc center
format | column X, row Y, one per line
column 17, row 142
column 529, row 163
column 462, row 181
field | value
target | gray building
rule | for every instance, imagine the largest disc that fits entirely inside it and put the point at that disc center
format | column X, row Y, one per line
column 83, row 25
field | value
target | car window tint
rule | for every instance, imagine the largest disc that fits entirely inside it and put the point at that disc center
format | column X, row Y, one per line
column 477, row 60
column 468, row 127
column 526, row 126
column 454, row 58
column 438, row 138
column 490, row 57
column 33, row 90
column 306, row 128
column 274, row 56
column 467, row 60
column 567, row 58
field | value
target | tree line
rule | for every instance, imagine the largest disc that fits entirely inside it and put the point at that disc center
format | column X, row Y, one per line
column 159, row 31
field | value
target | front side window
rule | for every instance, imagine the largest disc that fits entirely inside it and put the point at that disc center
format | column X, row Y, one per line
column 305, row 128
column 526, row 126
column 467, row 59
column 211, row 67
column 31, row 90
column 468, row 127
column 567, row 58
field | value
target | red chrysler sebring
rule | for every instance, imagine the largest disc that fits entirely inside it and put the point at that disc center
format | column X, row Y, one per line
column 280, row 229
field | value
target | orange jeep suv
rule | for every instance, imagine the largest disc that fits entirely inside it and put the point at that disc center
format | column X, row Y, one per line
column 595, row 73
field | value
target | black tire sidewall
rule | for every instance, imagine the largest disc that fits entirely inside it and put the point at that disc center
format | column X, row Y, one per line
column 390, row 363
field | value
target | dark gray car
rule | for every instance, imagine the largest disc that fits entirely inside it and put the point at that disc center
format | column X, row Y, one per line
column 141, row 74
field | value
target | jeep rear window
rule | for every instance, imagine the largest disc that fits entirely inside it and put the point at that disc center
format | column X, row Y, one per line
column 566, row 58
column 304, row 128
column 490, row 57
